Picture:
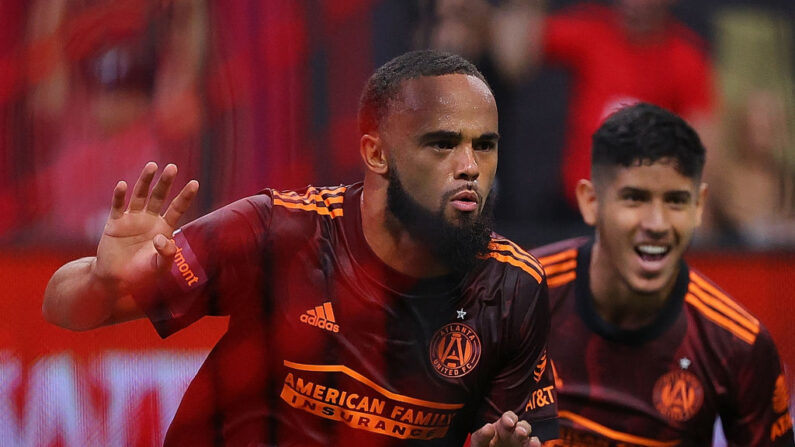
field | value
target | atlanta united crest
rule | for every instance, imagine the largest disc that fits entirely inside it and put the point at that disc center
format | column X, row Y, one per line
column 678, row 395
column 455, row 350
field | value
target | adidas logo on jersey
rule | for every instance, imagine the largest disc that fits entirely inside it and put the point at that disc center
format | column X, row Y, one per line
column 322, row 317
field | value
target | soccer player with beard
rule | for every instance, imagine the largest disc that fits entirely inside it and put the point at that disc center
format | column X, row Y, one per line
column 647, row 351
column 380, row 313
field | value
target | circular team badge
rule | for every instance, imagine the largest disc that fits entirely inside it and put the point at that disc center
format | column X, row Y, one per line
column 454, row 350
column 678, row 395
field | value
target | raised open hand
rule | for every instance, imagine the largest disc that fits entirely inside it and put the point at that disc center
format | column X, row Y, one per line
column 135, row 243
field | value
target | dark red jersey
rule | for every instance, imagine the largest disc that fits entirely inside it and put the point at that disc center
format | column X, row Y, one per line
column 329, row 346
column 664, row 384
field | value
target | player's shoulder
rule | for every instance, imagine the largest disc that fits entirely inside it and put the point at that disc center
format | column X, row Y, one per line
column 312, row 201
column 302, row 214
column 557, row 249
column 721, row 313
column 559, row 260
column 508, row 254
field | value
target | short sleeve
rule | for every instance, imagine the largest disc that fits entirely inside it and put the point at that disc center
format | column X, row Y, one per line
column 218, row 267
column 525, row 384
column 760, row 414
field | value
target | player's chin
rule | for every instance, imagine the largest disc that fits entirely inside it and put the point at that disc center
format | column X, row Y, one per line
column 649, row 285
column 460, row 219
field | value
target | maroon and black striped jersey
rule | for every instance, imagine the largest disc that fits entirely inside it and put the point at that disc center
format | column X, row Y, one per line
column 329, row 346
column 664, row 384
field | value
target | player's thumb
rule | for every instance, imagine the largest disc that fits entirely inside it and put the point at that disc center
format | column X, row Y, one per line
column 166, row 249
column 483, row 436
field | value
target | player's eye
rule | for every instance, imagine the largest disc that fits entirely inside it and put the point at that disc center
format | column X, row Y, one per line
column 679, row 198
column 485, row 145
column 633, row 196
column 442, row 144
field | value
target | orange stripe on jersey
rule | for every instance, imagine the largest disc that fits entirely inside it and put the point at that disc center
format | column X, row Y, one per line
column 614, row 434
column 322, row 210
column 557, row 257
column 516, row 263
column 331, row 200
column 721, row 320
column 505, row 244
column 362, row 379
column 720, row 306
column 313, row 190
column 314, row 196
column 562, row 267
column 704, row 284
column 563, row 278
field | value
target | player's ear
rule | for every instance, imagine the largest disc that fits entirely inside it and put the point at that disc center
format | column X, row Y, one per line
column 586, row 200
column 703, row 190
column 372, row 152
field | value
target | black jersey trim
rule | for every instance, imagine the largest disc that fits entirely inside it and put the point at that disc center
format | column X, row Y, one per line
column 664, row 319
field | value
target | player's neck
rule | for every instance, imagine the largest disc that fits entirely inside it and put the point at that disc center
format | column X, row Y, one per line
column 393, row 245
column 616, row 302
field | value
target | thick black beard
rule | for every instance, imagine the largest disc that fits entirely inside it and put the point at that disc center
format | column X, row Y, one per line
column 458, row 246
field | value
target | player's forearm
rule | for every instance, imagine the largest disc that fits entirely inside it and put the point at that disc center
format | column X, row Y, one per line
column 76, row 299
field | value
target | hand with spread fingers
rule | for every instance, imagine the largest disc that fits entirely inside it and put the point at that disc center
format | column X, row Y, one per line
column 135, row 243
column 134, row 248
column 507, row 431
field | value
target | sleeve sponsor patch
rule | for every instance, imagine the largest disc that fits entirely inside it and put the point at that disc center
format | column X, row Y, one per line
column 185, row 269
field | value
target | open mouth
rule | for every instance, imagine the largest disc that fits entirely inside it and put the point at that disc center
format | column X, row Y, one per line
column 465, row 201
column 652, row 253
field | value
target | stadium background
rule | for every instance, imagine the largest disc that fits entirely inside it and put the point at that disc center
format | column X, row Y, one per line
column 244, row 94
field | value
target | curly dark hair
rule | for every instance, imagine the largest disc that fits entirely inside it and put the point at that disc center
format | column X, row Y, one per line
column 384, row 84
column 642, row 134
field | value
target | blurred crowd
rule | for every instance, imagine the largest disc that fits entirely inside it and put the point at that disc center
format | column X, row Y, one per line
column 245, row 94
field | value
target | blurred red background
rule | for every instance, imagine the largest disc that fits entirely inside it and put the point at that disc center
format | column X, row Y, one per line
column 242, row 94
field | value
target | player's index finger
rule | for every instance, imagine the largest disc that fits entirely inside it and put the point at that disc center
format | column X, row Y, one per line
column 181, row 203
